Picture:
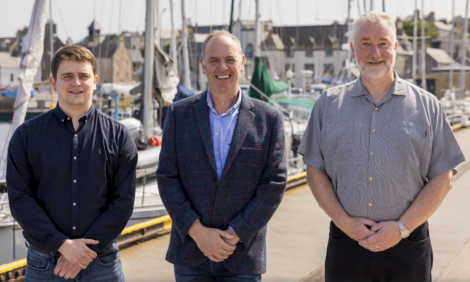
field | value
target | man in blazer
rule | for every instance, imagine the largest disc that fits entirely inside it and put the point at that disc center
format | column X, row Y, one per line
column 222, row 172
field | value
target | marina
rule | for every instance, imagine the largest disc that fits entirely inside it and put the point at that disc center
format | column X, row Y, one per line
column 286, row 66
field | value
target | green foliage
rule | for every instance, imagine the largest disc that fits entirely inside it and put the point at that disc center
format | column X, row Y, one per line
column 429, row 30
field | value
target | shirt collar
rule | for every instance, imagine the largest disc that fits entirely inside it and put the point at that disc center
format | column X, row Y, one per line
column 234, row 108
column 62, row 116
column 398, row 87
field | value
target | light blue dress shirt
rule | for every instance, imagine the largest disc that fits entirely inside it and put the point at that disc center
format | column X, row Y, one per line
column 222, row 127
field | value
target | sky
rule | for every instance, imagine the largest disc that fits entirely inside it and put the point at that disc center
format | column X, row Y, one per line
column 74, row 16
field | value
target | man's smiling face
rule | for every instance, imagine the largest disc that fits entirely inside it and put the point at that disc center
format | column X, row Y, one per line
column 75, row 83
column 374, row 48
column 223, row 62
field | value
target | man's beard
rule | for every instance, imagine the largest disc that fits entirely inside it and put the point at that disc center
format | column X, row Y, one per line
column 376, row 71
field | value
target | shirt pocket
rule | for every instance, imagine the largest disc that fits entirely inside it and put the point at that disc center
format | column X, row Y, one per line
column 344, row 140
column 403, row 142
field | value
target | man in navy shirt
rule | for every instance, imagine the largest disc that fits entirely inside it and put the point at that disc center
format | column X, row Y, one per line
column 71, row 179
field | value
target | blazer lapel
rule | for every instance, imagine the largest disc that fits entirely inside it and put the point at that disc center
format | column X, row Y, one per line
column 204, row 123
column 245, row 117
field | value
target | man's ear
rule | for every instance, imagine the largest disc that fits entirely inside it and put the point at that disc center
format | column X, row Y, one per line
column 352, row 50
column 96, row 81
column 242, row 67
column 52, row 81
column 202, row 65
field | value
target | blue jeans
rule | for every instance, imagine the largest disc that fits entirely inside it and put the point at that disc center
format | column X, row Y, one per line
column 211, row 271
column 40, row 268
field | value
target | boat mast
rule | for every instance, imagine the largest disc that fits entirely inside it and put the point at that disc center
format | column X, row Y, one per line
column 148, row 68
column 415, row 44
column 256, row 51
column 464, row 53
column 31, row 55
column 186, row 78
column 451, row 72
column 173, row 54
column 423, row 50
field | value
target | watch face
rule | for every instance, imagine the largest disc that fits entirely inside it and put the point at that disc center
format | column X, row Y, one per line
column 405, row 233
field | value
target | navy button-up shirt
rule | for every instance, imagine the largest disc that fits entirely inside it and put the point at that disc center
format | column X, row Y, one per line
column 72, row 184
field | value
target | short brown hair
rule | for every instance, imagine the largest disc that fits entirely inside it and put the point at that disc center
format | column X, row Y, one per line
column 74, row 53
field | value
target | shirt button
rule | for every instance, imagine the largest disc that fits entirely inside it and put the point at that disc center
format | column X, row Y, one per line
column 370, row 178
column 62, row 120
column 376, row 109
column 74, row 181
column 74, row 204
column 218, row 117
column 74, row 158
column 216, row 153
column 370, row 204
column 388, row 96
column 373, row 130
column 68, row 118
column 371, row 153
column 73, row 228
column 215, row 178
column 217, row 133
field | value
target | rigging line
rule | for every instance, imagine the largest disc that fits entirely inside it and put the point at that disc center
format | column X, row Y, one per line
column 62, row 19
column 139, row 21
column 107, row 42
column 123, row 17
column 99, row 40
column 18, row 95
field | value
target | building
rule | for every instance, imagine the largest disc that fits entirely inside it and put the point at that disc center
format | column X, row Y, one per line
column 9, row 69
column 47, row 57
column 114, row 63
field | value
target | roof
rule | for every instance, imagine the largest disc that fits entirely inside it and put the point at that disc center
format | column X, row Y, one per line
column 443, row 26
column 106, row 48
column 94, row 24
column 136, row 56
column 439, row 55
column 277, row 41
column 7, row 61
column 208, row 28
column 319, row 33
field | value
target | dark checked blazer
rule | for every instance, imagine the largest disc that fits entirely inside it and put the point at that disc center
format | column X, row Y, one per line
column 250, row 189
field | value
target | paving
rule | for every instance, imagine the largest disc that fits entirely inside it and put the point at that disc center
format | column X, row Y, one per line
column 298, row 234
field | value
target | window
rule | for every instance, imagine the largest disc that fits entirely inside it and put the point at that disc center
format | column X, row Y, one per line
column 265, row 61
column 291, row 67
column 249, row 51
column 329, row 51
column 309, row 51
column 329, row 69
column 310, row 67
column 11, row 77
column 290, row 51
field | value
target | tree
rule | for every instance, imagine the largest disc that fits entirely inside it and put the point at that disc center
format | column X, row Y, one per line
column 429, row 30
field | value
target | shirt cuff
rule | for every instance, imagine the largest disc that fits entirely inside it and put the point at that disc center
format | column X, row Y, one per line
column 230, row 227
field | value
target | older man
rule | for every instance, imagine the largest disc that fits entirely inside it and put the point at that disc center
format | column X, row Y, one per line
column 380, row 156
column 222, row 172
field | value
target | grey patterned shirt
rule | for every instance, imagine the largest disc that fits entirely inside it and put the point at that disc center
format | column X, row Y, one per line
column 379, row 157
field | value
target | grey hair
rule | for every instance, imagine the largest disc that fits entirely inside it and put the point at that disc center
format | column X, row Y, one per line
column 218, row 33
column 374, row 17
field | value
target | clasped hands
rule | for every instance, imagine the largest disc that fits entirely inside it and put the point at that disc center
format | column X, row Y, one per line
column 216, row 244
column 379, row 237
column 75, row 256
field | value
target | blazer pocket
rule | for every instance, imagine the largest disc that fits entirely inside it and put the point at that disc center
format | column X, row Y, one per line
column 252, row 148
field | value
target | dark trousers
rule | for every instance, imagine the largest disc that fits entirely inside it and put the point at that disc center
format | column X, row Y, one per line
column 211, row 271
column 410, row 260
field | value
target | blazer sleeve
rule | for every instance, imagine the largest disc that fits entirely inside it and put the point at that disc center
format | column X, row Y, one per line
column 169, row 181
column 270, row 189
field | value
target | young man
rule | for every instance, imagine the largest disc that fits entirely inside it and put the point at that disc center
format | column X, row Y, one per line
column 222, row 172
column 71, row 179
column 380, row 155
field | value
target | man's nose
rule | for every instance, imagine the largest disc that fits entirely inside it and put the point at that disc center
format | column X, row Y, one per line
column 76, row 80
column 374, row 51
column 222, row 65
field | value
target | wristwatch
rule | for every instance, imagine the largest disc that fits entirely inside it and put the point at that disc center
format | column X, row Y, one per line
column 404, row 232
